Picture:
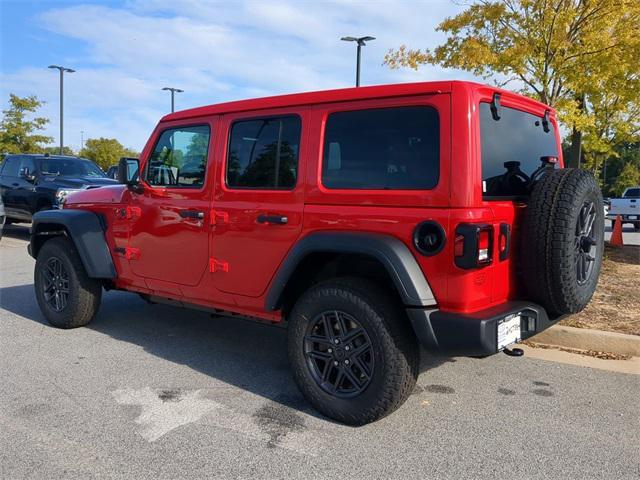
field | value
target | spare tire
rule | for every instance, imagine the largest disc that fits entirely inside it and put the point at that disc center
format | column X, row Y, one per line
column 562, row 241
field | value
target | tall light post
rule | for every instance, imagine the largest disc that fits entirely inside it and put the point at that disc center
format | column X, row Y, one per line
column 173, row 92
column 62, row 70
column 361, row 41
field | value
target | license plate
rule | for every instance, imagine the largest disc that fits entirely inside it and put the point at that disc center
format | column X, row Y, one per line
column 509, row 331
column 633, row 217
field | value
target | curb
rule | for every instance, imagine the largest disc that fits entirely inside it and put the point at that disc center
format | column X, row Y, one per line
column 587, row 339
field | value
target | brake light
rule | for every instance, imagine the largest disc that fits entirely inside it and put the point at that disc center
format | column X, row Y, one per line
column 473, row 245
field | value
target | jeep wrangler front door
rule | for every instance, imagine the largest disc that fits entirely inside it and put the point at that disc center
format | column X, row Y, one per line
column 168, row 213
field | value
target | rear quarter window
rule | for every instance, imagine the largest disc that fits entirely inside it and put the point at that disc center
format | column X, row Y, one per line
column 382, row 149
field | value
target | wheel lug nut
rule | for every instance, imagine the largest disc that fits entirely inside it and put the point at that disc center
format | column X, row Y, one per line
column 347, row 348
column 335, row 363
column 330, row 350
column 336, row 341
column 346, row 362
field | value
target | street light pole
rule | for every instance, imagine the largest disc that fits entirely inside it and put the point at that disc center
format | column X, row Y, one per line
column 173, row 92
column 62, row 70
column 361, row 42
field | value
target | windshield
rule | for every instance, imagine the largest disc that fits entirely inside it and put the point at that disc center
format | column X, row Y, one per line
column 512, row 150
column 71, row 167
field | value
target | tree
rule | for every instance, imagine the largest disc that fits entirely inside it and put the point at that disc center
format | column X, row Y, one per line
column 578, row 56
column 105, row 151
column 18, row 133
column 629, row 177
column 56, row 150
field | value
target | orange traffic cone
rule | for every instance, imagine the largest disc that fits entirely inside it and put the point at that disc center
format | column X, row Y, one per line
column 616, row 235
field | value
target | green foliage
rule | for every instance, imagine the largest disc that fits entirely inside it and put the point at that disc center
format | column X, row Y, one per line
column 56, row 150
column 18, row 132
column 629, row 177
column 105, row 151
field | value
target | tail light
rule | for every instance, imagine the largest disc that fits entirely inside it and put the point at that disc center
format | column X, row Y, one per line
column 473, row 245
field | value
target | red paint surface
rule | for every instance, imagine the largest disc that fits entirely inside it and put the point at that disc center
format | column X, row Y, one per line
column 227, row 260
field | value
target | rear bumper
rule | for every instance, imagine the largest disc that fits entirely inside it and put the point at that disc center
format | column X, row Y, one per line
column 474, row 334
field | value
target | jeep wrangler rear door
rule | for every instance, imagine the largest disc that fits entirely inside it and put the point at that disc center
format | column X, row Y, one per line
column 169, row 216
column 259, row 197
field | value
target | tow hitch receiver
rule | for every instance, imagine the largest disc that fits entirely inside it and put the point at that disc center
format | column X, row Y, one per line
column 514, row 352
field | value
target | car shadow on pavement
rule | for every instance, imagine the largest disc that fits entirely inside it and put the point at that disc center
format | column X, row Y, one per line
column 247, row 354
column 19, row 232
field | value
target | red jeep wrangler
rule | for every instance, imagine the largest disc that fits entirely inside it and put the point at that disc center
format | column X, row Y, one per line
column 372, row 220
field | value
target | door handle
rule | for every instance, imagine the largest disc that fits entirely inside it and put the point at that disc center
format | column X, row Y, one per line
column 196, row 215
column 274, row 219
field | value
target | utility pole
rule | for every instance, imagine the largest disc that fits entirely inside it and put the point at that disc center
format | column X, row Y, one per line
column 361, row 41
column 173, row 92
column 62, row 70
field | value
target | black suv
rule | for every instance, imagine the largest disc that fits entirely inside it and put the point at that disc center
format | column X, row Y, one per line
column 30, row 183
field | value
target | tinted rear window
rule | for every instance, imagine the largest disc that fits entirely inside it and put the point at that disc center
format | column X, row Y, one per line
column 386, row 148
column 512, row 146
column 632, row 193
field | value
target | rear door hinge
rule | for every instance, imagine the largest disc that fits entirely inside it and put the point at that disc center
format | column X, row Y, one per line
column 218, row 266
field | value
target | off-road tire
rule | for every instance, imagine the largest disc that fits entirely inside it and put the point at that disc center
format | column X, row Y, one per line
column 396, row 353
column 549, row 245
column 84, row 293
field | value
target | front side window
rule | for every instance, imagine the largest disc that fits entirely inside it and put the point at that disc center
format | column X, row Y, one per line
column 382, row 149
column 179, row 158
column 263, row 153
column 512, row 150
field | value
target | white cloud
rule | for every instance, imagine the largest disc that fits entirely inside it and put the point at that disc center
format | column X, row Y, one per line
column 216, row 51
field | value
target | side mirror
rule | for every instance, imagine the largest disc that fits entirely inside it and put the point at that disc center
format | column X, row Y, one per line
column 26, row 174
column 129, row 174
column 128, row 171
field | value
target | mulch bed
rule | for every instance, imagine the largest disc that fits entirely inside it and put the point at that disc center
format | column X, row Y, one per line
column 615, row 306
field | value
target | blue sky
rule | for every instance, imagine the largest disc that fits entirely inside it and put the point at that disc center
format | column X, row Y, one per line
column 126, row 51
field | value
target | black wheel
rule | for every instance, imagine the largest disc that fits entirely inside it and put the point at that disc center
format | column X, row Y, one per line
column 563, row 241
column 67, row 297
column 352, row 350
column 636, row 226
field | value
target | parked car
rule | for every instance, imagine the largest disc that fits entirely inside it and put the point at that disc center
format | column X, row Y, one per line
column 31, row 183
column 112, row 172
column 628, row 207
column 2, row 217
column 371, row 220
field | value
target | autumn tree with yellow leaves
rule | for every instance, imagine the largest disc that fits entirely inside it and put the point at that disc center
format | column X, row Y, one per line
column 581, row 57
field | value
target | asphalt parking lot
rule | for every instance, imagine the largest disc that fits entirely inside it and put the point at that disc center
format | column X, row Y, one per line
column 158, row 392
